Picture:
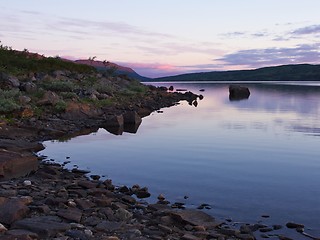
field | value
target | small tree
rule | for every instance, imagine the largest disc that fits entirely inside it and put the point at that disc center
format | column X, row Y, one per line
column 91, row 59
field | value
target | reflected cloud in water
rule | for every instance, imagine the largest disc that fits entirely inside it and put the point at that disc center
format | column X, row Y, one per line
column 301, row 100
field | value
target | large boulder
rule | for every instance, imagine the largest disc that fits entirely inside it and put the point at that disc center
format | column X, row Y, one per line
column 237, row 92
column 29, row 87
column 45, row 226
column 8, row 82
column 131, row 117
column 14, row 164
column 13, row 209
column 80, row 111
column 49, row 98
column 194, row 218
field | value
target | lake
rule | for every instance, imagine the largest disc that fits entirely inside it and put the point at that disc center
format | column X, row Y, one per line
column 245, row 158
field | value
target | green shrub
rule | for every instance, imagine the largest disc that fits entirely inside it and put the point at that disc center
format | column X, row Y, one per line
column 38, row 94
column 60, row 106
column 99, row 103
column 105, row 102
column 9, row 100
column 104, row 88
column 8, row 105
column 58, row 85
column 14, row 93
column 68, row 95
column 38, row 111
column 20, row 62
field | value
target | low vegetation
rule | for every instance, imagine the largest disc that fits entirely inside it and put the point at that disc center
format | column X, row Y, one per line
column 22, row 62
column 32, row 85
column 9, row 100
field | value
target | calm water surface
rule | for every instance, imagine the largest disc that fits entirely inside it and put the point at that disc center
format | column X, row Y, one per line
column 245, row 158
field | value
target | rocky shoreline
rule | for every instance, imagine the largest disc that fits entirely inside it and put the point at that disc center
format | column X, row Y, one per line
column 43, row 200
column 52, row 202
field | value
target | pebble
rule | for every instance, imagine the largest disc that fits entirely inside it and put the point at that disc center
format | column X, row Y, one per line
column 267, row 229
column 77, row 225
column 88, row 232
column 27, row 183
column 95, row 177
column 204, row 206
column 276, row 227
column 72, row 204
column 294, row 225
column 2, row 228
column 161, row 197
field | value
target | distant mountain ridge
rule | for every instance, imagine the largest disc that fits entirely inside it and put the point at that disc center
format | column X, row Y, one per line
column 113, row 68
column 298, row 72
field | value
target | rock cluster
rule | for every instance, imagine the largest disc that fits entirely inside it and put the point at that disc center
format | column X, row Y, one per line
column 54, row 203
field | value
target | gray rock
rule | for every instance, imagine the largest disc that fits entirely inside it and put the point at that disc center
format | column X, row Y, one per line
column 12, row 210
column 128, row 199
column 24, row 100
column 294, row 225
column 29, row 87
column 107, row 226
column 122, row 214
column 237, row 92
column 92, row 221
column 8, row 82
column 84, row 204
column 108, row 213
column 87, row 184
column 2, row 228
column 8, row 193
column 190, row 237
column 228, row 231
column 71, row 214
column 59, row 73
column 132, row 117
column 76, row 234
column 194, row 217
column 22, row 233
column 49, row 98
column 267, row 229
column 276, row 227
column 45, row 227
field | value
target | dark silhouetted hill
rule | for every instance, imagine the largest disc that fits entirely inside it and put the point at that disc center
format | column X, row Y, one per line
column 299, row 72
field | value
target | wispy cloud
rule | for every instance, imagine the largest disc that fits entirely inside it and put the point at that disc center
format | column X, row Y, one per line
column 313, row 29
column 31, row 12
column 65, row 27
column 244, row 34
column 234, row 34
column 80, row 26
column 252, row 58
column 169, row 48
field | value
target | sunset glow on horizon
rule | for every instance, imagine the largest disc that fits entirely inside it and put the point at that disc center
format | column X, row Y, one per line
column 167, row 37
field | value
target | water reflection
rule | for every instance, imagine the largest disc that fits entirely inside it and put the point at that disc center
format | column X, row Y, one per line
column 127, row 128
column 277, row 98
column 244, row 158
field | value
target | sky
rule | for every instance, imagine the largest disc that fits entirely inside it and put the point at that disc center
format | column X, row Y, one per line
column 167, row 37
